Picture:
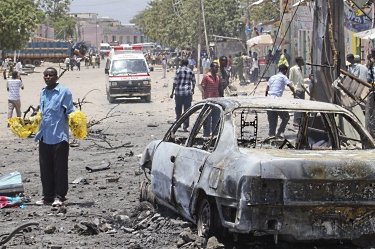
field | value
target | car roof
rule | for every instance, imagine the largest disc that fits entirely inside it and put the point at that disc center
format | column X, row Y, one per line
column 230, row 103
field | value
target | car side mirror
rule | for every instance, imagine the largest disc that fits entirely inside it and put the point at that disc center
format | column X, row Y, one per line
column 106, row 70
column 151, row 69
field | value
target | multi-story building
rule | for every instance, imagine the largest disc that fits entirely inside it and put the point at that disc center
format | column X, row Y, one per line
column 95, row 30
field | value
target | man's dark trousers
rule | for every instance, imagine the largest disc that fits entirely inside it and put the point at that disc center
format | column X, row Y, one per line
column 183, row 101
column 53, row 159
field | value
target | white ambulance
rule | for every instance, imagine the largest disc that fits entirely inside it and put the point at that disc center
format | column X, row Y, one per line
column 127, row 74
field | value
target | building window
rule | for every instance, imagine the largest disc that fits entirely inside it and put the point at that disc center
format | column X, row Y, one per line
column 114, row 38
column 128, row 39
column 135, row 39
column 121, row 40
column 105, row 39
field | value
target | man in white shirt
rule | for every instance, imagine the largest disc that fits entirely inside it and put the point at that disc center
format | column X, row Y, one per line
column 14, row 99
column 275, row 88
column 296, row 77
column 5, row 68
column 19, row 67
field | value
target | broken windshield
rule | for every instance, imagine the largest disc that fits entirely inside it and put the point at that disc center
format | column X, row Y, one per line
column 128, row 66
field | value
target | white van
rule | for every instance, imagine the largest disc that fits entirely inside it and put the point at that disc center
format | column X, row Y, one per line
column 105, row 48
column 127, row 74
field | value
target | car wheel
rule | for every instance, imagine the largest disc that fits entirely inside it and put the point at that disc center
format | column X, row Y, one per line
column 147, row 99
column 110, row 99
column 146, row 194
column 208, row 221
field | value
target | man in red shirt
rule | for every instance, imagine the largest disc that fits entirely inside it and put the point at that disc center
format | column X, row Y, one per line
column 210, row 84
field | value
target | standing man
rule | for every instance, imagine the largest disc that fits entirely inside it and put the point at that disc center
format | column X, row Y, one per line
column 296, row 77
column 210, row 84
column 67, row 63
column 56, row 103
column 362, row 69
column 78, row 62
column 191, row 63
column 5, row 68
column 353, row 67
column 19, row 67
column 223, row 75
column 275, row 88
column 93, row 60
column 240, row 66
column 164, row 66
column 14, row 99
column 183, row 88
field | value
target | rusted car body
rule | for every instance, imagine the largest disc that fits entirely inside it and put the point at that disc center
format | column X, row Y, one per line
column 315, row 183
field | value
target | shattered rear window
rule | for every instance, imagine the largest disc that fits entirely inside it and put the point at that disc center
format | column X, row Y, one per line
column 303, row 131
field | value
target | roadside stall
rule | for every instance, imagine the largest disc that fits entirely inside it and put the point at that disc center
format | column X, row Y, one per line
column 261, row 44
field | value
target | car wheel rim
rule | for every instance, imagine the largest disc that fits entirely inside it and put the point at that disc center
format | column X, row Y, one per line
column 205, row 217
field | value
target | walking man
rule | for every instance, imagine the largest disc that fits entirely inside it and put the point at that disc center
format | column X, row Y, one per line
column 56, row 103
column 14, row 99
column 183, row 89
column 5, row 68
column 296, row 77
column 275, row 88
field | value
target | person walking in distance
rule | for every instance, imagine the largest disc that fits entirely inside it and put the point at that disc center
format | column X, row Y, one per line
column 275, row 88
column 164, row 66
column 14, row 100
column 296, row 77
column 5, row 68
column 56, row 103
column 183, row 89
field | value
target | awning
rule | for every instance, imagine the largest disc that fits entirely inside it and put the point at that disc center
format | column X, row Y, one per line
column 265, row 40
column 367, row 34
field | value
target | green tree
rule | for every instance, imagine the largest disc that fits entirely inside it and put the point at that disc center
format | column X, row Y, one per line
column 56, row 16
column 18, row 19
column 175, row 23
column 265, row 12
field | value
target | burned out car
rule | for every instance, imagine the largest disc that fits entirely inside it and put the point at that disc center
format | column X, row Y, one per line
column 315, row 183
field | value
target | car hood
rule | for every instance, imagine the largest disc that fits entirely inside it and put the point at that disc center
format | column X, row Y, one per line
column 329, row 165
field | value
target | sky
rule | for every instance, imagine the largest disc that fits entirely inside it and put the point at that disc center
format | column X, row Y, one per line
column 122, row 10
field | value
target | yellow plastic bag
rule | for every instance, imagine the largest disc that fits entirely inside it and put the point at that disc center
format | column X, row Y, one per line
column 24, row 127
column 78, row 124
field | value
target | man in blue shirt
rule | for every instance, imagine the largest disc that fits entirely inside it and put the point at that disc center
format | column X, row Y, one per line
column 275, row 88
column 56, row 103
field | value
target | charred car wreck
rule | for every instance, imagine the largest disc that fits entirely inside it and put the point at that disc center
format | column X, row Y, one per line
column 315, row 183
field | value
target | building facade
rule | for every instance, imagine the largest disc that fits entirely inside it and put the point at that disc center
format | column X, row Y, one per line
column 94, row 30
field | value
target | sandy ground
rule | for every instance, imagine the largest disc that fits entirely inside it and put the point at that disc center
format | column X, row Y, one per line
column 110, row 199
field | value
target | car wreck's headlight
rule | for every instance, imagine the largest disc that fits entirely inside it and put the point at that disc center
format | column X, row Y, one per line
column 113, row 83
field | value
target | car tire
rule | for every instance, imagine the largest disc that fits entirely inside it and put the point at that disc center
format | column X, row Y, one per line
column 208, row 220
column 147, row 99
column 146, row 194
column 110, row 99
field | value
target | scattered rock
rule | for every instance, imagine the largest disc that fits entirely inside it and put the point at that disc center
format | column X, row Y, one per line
column 213, row 243
column 49, row 229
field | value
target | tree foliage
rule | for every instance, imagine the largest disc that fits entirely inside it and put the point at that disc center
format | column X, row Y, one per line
column 56, row 16
column 267, row 11
column 175, row 23
column 18, row 19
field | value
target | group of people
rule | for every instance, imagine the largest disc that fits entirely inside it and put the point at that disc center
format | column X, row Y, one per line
column 213, row 84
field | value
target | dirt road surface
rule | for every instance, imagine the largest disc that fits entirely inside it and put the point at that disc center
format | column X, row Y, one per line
column 103, row 210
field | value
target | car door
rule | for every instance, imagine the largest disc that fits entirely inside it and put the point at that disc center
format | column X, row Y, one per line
column 164, row 159
column 191, row 158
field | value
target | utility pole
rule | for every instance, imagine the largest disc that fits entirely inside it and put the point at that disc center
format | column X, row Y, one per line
column 199, row 42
